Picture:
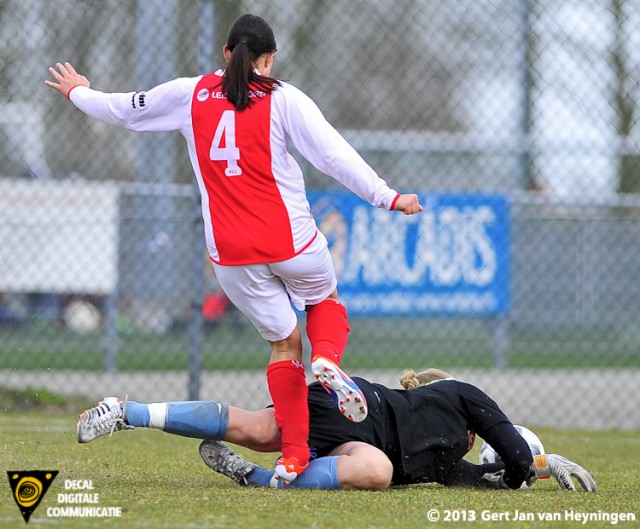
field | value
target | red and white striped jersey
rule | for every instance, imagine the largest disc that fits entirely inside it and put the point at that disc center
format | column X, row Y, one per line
column 254, row 203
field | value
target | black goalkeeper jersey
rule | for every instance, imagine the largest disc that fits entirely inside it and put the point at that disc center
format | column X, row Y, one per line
column 423, row 431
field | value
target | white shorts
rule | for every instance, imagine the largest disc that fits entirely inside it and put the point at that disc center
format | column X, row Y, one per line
column 264, row 293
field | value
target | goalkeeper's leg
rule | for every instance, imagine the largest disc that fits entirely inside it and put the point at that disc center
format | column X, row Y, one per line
column 353, row 465
column 256, row 430
column 197, row 419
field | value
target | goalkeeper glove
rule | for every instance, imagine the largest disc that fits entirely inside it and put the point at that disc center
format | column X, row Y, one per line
column 495, row 480
column 563, row 470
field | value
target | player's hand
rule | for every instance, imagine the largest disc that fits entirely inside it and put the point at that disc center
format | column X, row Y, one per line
column 408, row 204
column 66, row 78
column 493, row 480
column 563, row 470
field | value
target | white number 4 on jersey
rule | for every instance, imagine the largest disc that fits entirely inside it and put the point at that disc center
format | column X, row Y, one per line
column 230, row 153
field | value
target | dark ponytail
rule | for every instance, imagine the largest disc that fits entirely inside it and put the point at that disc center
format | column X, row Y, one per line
column 249, row 37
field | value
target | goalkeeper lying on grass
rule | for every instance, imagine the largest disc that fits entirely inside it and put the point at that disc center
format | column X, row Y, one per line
column 416, row 435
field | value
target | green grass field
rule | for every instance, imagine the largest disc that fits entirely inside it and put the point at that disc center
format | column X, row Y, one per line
column 159, row 481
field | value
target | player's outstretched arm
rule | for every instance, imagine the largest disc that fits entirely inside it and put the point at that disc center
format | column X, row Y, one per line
column 408, row 204
column 66, row 78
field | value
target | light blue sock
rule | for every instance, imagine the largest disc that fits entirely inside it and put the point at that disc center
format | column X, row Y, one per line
column 136, row 414
column 259, row 477
column 321, row 473
column 198, row 419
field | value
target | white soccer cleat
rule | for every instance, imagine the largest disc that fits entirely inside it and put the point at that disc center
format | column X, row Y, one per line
column 348, row 396
column 220, row 458
column 107, row 417
column 288, row 469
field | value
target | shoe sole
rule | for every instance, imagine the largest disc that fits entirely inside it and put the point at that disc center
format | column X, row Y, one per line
column 211, row 451
column 208, row 453
column 349, row 398
column 81, row 419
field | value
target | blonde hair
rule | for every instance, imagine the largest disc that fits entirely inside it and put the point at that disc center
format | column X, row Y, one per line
column 411, row 380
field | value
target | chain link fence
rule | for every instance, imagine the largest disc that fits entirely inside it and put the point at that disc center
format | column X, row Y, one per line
column 515, row 120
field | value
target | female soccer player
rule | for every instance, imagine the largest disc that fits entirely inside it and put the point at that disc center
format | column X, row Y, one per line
column 263, row 241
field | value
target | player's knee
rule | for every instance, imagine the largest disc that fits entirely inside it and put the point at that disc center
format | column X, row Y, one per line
column 364, row 467
column 378, row 476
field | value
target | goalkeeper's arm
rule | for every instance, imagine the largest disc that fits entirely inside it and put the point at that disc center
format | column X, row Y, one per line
column 513, row 451
column 544, row 466
column 513, row 469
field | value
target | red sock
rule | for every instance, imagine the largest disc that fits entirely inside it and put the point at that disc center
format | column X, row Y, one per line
column 288, row 388
column 327, row 329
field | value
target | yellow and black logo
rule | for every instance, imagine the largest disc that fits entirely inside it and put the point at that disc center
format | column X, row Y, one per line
column 29, row 487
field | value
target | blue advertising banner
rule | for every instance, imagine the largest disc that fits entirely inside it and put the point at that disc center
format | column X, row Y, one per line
column 452, row 259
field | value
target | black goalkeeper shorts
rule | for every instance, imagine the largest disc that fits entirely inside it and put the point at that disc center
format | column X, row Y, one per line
column 329, row 428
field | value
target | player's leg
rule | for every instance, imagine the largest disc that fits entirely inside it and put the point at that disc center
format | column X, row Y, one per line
column 328, row 328
column 362, row 466
column 319, row 474
column 354, row 465
column 311, row 282
column 197, row 419
column 288, row 389
column 261, row 296
column 256, row 430
column 209, row 420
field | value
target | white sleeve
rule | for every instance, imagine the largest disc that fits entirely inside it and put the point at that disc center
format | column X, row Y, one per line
column 325, row 148
column 162, row 109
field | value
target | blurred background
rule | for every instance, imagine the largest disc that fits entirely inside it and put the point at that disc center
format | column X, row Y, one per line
column 515, row 121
